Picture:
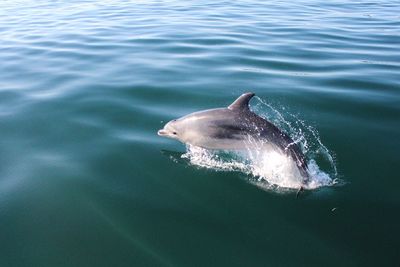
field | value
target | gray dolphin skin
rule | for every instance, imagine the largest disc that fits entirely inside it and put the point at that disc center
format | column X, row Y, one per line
column 230, row 129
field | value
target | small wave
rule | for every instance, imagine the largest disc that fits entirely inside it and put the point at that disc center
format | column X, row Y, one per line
column 265, row 164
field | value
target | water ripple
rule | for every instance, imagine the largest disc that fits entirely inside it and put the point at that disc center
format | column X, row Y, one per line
column 85, row 85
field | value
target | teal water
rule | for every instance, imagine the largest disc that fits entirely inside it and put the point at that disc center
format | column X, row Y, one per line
column 85, row 85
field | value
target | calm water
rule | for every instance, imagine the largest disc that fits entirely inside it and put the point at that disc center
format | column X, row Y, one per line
column 85, row 85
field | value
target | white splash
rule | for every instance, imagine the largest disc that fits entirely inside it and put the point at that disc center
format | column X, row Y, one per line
column 266, row 165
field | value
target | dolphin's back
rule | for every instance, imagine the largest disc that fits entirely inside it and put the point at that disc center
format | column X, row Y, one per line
column 232, row 126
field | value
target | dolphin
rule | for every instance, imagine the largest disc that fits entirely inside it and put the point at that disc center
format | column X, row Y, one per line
column 231, row 128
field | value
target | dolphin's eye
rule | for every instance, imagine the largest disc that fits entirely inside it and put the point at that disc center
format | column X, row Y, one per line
column 174, row 133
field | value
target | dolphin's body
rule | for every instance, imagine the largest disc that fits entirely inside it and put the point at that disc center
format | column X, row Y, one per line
column 231, row 128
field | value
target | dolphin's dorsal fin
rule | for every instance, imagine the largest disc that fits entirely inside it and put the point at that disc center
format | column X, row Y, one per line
column 242, row 103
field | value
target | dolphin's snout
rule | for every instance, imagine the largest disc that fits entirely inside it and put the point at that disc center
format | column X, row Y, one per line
column 162, row 132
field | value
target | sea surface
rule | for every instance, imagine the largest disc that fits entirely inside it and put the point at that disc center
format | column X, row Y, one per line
column 86, row 181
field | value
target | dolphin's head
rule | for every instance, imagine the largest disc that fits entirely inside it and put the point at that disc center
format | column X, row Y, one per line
column 180, row 129
column 188, row 129
column 170, row 130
